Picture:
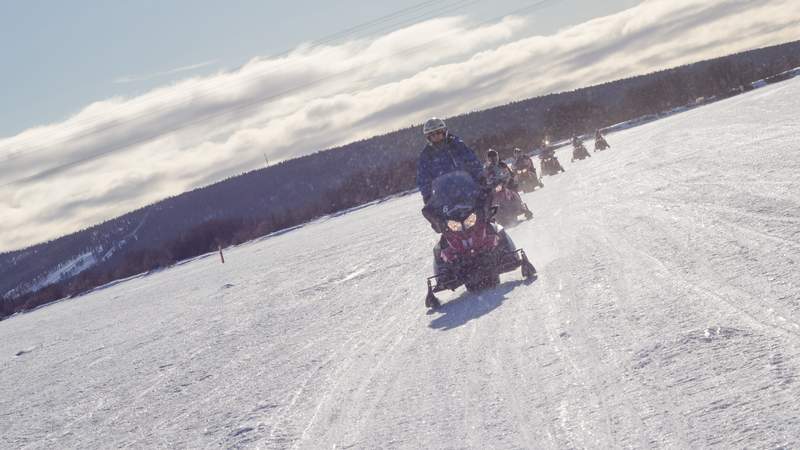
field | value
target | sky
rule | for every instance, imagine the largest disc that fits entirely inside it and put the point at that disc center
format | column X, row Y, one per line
column 108, row 107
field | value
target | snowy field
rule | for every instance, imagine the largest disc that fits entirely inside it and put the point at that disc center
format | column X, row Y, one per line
column 666, row 314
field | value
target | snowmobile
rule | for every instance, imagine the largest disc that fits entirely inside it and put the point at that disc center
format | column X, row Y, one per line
column 527, row 179
column 473, row 251
column 600, row 144
column 549, row 163
column 579, row 152
column 509, row 204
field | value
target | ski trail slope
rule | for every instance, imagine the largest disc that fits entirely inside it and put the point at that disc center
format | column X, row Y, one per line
column 666, row 314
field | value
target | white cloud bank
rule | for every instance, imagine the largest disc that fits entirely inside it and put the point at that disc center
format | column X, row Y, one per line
column 172, row 139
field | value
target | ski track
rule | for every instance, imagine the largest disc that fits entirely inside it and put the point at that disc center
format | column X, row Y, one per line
column 666, row 315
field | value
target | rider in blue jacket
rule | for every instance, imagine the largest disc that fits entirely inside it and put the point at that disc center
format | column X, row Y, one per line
column 444, row 153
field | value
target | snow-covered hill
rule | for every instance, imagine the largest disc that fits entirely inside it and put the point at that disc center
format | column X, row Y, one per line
column 666, row 314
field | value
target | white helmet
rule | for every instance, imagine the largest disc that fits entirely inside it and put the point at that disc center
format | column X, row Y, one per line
column 431, row 125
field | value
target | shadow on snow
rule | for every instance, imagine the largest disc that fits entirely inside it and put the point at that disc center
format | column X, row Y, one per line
column 470, row 306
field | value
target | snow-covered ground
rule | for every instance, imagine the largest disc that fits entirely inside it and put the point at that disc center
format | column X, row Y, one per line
column 666, row 314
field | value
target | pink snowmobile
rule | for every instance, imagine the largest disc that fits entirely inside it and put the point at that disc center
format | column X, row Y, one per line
column 473, row 251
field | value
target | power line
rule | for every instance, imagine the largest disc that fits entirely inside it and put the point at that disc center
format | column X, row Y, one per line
column 256, row 101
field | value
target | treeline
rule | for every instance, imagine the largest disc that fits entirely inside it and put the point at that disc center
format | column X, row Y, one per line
column 578, row 112
column 661, row 91
column 356, row 190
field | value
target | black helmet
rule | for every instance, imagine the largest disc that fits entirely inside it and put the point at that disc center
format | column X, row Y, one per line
column 491, row 153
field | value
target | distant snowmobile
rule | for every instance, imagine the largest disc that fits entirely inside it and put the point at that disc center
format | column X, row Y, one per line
column 525, row 172
column 600, row 142
column 473, row 251
column 549, row 163
column 579, row 152
column 509, row 204
column 528, row 180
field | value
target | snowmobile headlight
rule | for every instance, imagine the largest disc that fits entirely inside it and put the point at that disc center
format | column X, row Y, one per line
column 470, row 221
column 498, row 188
column 454, row 225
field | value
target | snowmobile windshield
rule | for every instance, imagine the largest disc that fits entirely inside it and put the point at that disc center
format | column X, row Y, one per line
column 455, row 194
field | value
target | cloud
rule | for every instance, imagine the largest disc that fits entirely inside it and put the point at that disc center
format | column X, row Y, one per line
column 135, row 78
column 202, row 129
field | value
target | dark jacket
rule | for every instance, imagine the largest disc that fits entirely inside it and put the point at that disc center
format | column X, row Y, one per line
column 435, row 162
